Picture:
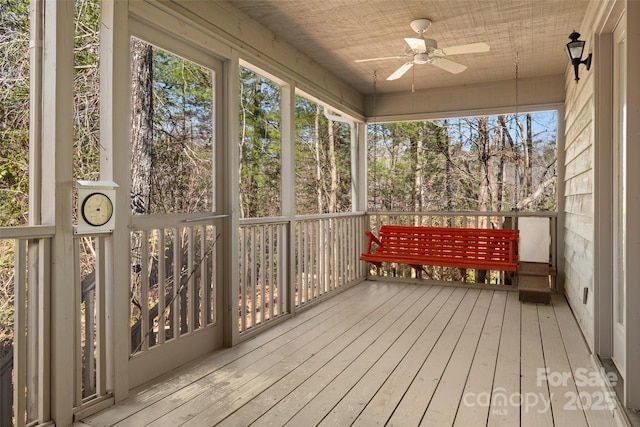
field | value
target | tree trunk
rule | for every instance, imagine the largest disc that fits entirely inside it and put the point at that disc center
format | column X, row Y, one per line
column 502, row 127
column 483, row 158
column 318, row 165
column 141, row 124
column 418, row 197
column 444, row 143
column 243, row 135
column 494, row 187
column 333, row 193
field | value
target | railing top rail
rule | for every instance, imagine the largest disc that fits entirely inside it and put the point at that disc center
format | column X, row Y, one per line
column 28, row 232
column 151, row 222
column 328, row 215
column 263, row 220
column 545, row 214
column 310, row 217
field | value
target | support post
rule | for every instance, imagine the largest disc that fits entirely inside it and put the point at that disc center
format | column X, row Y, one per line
column 57, row 201
column 115, row 153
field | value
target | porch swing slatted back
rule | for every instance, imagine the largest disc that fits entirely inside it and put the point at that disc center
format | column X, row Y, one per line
column 485, row 249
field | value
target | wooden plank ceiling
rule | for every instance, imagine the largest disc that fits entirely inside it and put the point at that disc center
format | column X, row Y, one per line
column 334, row 33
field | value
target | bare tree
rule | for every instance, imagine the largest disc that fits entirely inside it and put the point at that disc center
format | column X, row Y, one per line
column 141, row 124
column 333, row 191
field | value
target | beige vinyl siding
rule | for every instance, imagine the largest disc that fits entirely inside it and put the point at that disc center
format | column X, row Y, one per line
column 578, row 200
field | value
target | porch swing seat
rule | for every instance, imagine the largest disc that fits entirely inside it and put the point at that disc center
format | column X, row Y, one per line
column 463, row 248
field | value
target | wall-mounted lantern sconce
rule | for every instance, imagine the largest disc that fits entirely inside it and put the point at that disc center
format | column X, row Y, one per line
column 574, row 51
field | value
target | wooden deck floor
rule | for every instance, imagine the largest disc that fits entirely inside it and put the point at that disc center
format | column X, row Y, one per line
column 389, row 354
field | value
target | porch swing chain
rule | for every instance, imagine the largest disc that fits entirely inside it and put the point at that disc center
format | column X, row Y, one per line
column 375, row 139
column 517, row 171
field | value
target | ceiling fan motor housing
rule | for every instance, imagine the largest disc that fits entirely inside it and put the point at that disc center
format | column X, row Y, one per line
column 420, row 58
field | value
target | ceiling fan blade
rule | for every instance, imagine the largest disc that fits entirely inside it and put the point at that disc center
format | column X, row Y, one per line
column 416, row 44
column 450, row 66
column 400, row 71
column 381, row 58
column 466, row 48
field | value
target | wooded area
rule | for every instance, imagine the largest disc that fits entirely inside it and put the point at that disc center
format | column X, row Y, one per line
column 480, row 164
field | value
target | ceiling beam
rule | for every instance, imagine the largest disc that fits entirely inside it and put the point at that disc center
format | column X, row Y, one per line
column 534, row 94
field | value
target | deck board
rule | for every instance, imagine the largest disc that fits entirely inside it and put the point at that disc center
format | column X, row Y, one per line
column 353, row 403
column 443, row 407
column 563, row 391
column 381, row 407
column 580, row 361
column 319, row 407
column 383, row 353
column 483, row 368
column 507, row 371
column 415, row 400
column 324, row 365
column 534, row 411
column 241, row 379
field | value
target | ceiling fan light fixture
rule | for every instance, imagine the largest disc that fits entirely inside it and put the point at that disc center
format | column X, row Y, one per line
column 420, row 25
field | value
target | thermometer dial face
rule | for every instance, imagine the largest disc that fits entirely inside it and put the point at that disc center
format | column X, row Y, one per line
column 97, row 209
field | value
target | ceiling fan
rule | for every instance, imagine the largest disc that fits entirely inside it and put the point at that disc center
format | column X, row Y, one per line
column 426, row 51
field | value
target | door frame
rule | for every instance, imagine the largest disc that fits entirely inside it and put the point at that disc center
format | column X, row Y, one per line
column 606, row 21
column 619, row 192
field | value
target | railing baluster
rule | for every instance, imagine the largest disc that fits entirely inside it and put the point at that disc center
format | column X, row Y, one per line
column 322, row 260
column 162, row 277
column 88, row 378
column 101, row 310
column 77, row 297
column 272, row 266
column 177, row 269
column 282, row 269
column 204, row 284
column 263, row 268
column 191, row 288
column 243, row 279
column 213, row 285
column 253, row 276
column 20, row 333
column 309, row 261
column 299, row 263
column 144, row 290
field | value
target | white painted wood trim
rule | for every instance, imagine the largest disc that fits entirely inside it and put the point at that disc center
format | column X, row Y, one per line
column 36, row 11
column 632, row 226
column 21, row 357
column 57, row 202
column 361, row 178
column 288, row 186
column 603, row 195
column 535, row 94
column 558, row 236
column 228, row 183
column 115, row 166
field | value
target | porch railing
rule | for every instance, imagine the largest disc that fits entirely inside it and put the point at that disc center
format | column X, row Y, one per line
column 25, row 369
column 24, row 263
column 286, row 265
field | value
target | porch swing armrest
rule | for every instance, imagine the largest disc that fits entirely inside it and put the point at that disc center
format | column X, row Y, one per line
column 372, row 239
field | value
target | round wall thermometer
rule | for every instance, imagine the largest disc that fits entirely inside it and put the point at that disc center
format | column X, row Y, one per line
column 96, row 207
